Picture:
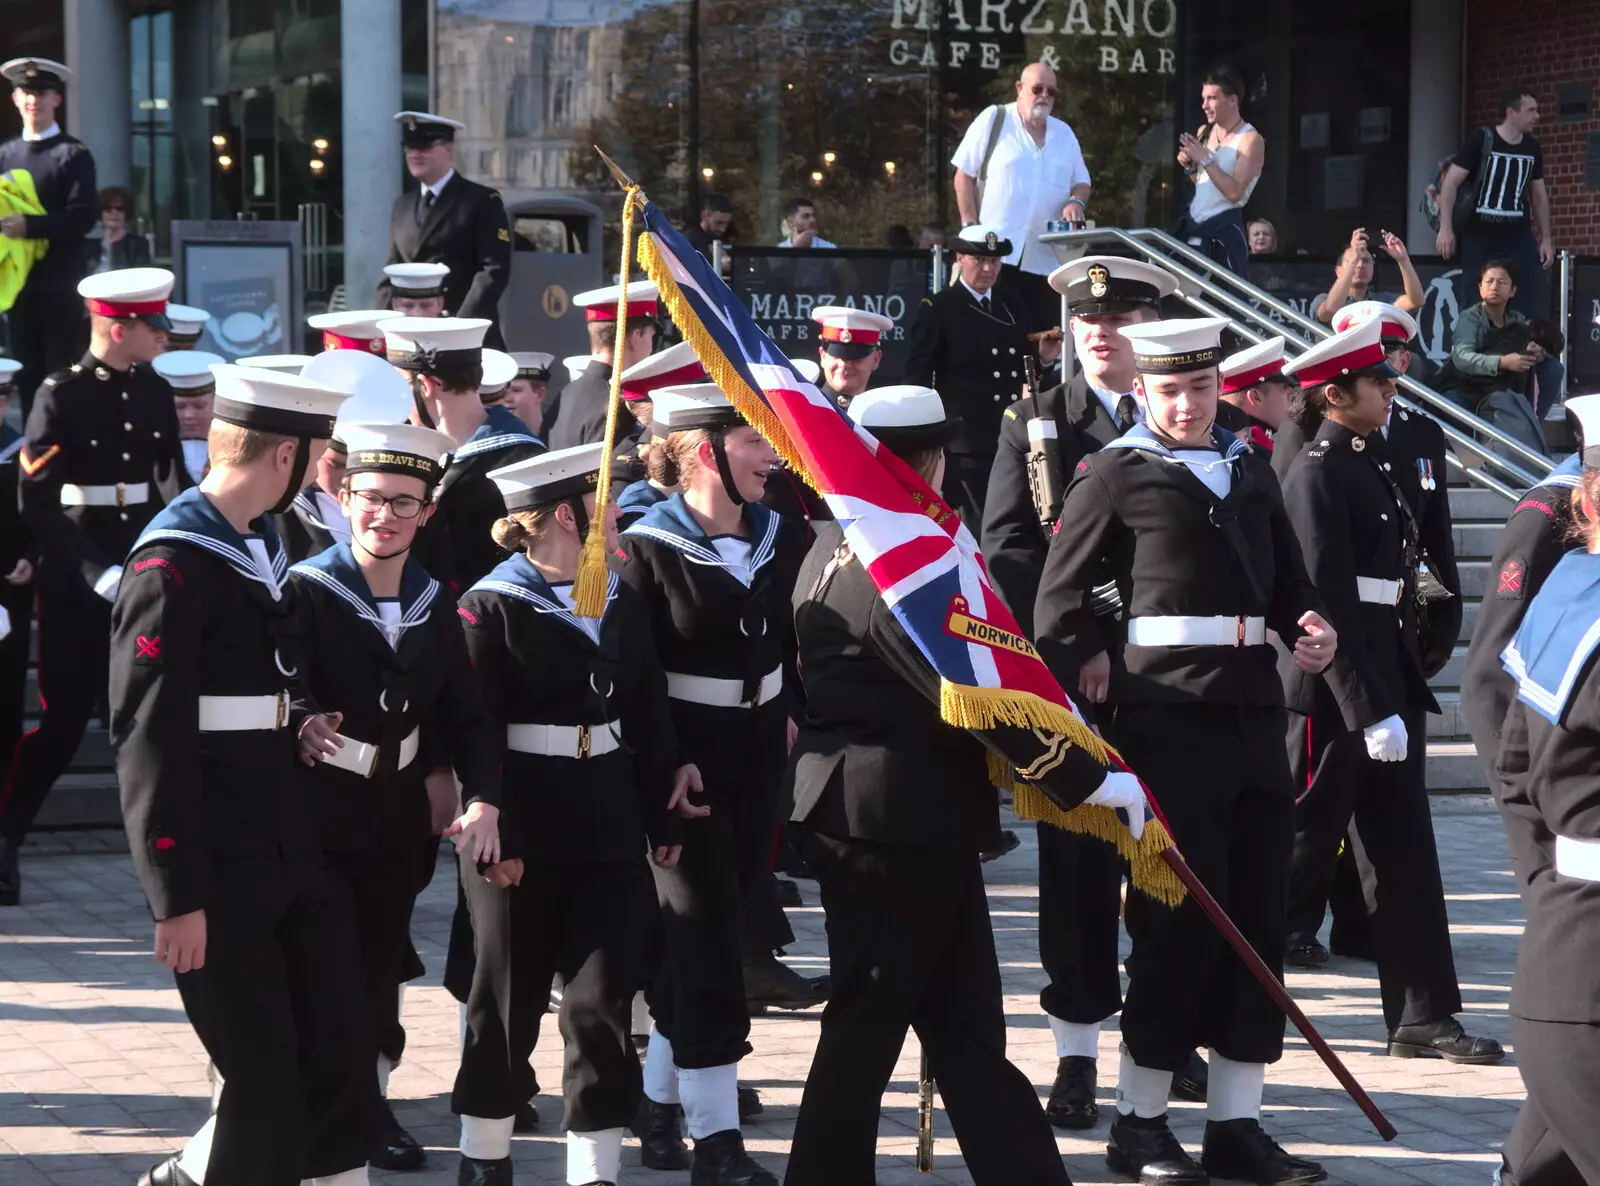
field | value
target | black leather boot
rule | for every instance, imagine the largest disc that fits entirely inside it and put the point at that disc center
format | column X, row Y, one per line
column 1242, row 1149
column 769, row 982
column 1072, row 1103
column 527, row 1119
column 10, row 875
column 473, row 1172
column 1304, row 951
column 750, row 1105
column 1190, row 1083
column 1443, row 1039
column 168, row 1173
column 1146, row 1151
column 720, row 1160
column 395, row 1148
column 660, row 1133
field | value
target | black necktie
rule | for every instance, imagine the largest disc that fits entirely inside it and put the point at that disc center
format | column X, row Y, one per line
column 983, row 304
column 1126, row 413
column 424, row 206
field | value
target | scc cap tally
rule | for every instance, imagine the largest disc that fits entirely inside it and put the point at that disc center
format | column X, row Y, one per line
column 1176, row 346
column 533, row 365
column 254, row 397
column 396, row 449
column 698, row 405
column 550, row 477
column 423, row 343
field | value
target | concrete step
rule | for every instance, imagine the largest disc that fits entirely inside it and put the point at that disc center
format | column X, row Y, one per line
column 1475, row 577
column 1450, row 724
column 1449, row 677
column 1453, row 767
column 1477, row 541
column 1475, row 504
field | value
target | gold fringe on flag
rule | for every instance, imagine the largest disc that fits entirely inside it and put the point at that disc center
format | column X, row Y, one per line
column 589, row 589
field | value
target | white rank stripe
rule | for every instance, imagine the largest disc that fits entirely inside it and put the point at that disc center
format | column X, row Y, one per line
column 415, row 615
column 502, row 440
column 696, row 553
column 547, row 605
column 241, row 562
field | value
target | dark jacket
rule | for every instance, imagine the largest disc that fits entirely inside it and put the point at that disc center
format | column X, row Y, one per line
column 467, row 231
column 470, row 503
column 581, row 419
column 63, row 176
column 130, row 251
column 1416, row 449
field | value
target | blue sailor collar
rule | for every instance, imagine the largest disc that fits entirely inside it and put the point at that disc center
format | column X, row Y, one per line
column 500, row 430
column 1558, row 635
column 671, row 522
column 306, row 504
column 518, row 578
column 336, row 570
column 1568, row 474
column 641, row 495
column 191, row 519
column 1142, row 438
column 11, row 442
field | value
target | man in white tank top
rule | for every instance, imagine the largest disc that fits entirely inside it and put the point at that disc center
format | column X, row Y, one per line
column 1224, row 161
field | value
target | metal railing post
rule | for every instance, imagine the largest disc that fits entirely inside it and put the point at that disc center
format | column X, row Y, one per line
column 938, row 277
column 1564, row 307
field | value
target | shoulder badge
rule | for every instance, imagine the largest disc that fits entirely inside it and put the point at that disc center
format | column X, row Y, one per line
column 1010, row 413
column 1359, row 444
column 1099, row 281
column 495, row 194
column 1509, row 587
column 503, row 234
column 32, row 465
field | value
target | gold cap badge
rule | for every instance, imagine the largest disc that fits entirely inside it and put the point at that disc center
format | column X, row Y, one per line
column 1099, row 281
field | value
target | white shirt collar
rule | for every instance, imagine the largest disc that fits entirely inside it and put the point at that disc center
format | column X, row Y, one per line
column 440, row 184
column 1110, row 399
column 976, row 295
column 53, row 130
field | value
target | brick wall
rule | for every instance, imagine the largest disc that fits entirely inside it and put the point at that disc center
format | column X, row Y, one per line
column 1541, row 44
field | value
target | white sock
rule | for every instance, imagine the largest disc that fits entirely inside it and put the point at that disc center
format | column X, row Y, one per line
column 1141, row 1091
column 710, row 1098
column 485, row 1139
column 384, row 1067
column 197, row 1152
column 660, row 1076
column 1074, row 1040
column 355, row 1177
column 594, row 1156
column 1233, row 1089
column 641, row 1015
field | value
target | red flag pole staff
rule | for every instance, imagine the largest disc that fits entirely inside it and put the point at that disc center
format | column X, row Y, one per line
column 1169, row 854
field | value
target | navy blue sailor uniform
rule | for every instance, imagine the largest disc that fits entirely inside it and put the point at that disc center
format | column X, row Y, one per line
column 469, row 503
column 723, row 628
column 313, row 523
column 204, row 687
column 16, row 543
column 1544, row 785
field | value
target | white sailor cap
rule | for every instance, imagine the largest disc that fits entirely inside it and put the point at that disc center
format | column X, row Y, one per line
column 1175, row 346
column 601, row 304
column 576, row 364
column 1583, row 414
column 499, row 368
column 188, row 323
column 30, row 74
column 698, row 405
column 353, row 329
column 253, row 397
column 1358, row 348
column 850, row 333
column 379, row 394
column 287, row 364
column 676, row 366
column 1260, row 363
column 188, row 372
column 416, row 280
column 1098, row 284
column 1396, row 323
column 396, row 449
column 422, row 129
column 903, row 416
column 533, row 365
column 423, row 343
column 810, row 370
column 985, row 241
column 130, row 293
column 8, row 374
column 550, row 477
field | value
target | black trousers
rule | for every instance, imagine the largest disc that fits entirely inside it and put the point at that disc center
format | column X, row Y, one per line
column 1220, row 776
column 14, row 653
column 48, row 330
column 1080, row 904
column 581, row 922
column 1555, row 1141
column 74, row 668
column 273, row 1007
column 910, row 947
column 1383, row 808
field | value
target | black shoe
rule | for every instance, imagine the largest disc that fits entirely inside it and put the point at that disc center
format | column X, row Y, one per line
column 1190, row 1083
column 750, row 1105
column 11, row 876
column 167, row 1173
column 1008, row 843
column 660, row 1136
column 395, row 1148
column 527, row 1118
column 1443, row 1039
column 788, row 893
column 1304, row 951
column 768, row 982
column 1353, row 947
column 1146, row 1151
column 1072, row 1103
column 473, row 1172
column 1242, row 1149
column 720, row 1160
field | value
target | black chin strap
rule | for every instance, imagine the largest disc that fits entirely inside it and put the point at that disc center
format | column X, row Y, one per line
column 579, row 517
column 355, row 542
column 297, row 476
column 723, row 471
column 418, row 402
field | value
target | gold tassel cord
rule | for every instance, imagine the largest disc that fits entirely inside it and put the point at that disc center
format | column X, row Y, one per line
column 589, row 589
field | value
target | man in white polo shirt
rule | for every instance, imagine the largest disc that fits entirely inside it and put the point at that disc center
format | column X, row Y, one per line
column 1017, row 169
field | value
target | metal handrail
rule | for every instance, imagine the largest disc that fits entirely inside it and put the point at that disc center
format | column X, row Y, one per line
column 1160, row 248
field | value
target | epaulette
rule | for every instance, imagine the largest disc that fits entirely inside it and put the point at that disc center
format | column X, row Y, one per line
column 1010, row 413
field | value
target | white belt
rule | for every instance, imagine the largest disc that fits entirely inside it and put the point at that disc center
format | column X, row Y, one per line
column 232, row 714
column 564, row 741
column 722, row 693
column 1578, row 858
column 1177, row 630
column 123, row 494
column 1380, row 591
column 361, row 757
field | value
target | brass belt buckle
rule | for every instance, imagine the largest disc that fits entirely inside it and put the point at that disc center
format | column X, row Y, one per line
column 1238, row 640
column 283, row 710
column 583, row 741
column 122, row 495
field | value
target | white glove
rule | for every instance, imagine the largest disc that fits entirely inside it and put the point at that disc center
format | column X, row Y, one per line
column 5, row 622
column 106, row 586
column 1386, row 741
column 1122, row 790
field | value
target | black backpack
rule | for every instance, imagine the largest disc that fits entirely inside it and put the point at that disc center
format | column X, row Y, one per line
column 1466, row 195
